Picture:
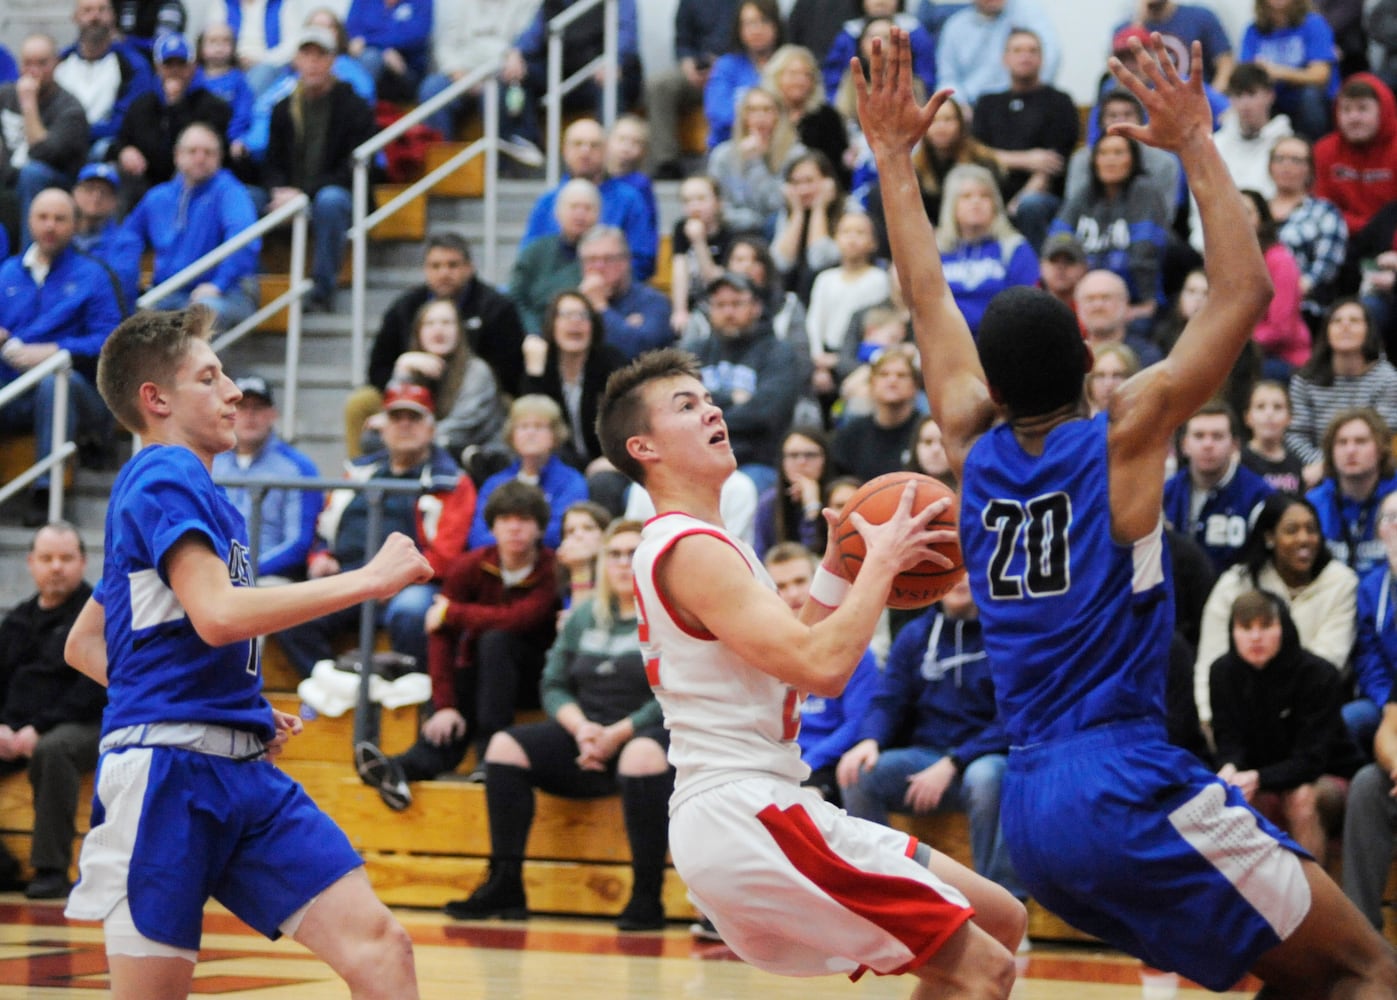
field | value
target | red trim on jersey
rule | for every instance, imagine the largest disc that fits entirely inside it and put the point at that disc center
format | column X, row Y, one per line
column 703, row 635
column 652, row 671
column 911, row 911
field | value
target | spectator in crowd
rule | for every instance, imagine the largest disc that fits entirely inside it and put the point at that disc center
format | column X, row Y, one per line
column 584, row 157
column 50, row 715
column 634, row 315
column 1282, row 336
column 1111, row 365
column 750, row 374
column 526, row 66
column 217, row 56
column 757, row 33
column 982, row 253
column 1103, row 309
column 103, row 72
column 627, row 148
column 937, row 684
column 873, row 328
column 1358, row 474
column 926, row 453
column 392, row 39
column 737, row 505
column 1160, row 173
column 1345, row 370
column 44, row 138
column 145, row 143
column 1182, row 308
column 1295, row 46
column 322, row 116
column 96, row 230
column 182, row 219
column 702, row 31
column 141, row 22
column 1267, row 416
column 1375, row 649
column 341, row 545
column 1214, row 498
column 1032, row 129
column 838, row 293
column 604, row 733
column 1283, row 555
column 584, row 523
column 972, row 40
column 791, row 510
column 267, row 35
column 570, row 363
column 1370, row 823
column 879, row 328
column 803, row 244
column 750, row 257
column 53, row 298
column 699, row 242
column 1182, row 24
column 535, row 434
column 466, row 35
column 1353, row 164
column 844, row 95
column 1062, row 265
column 870, row 445
column 804, row 116
column 550, row 264
column 815, row 24
column 748, row 167
column 286, row 516
column 845, row 45
column 1312, row 229
column 488, row 632
column 1276, row 723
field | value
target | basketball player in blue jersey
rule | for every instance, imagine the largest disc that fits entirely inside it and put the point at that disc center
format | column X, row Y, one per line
column 1107, row 825
column 188, row 802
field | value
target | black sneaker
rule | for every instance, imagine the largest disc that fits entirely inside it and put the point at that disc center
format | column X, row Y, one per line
column 642, row 915
column 48, row 883
column 501, row 895
column 378, row 770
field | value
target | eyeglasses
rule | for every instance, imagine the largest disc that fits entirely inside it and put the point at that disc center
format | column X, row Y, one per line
column 601, row 258
column 620, row 555
column 812, row 453
column 573, row 314
column 1287, row 158
column 1388, row 519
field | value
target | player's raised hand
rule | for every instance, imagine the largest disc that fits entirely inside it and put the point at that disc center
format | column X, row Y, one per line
column 397, row 564
column 905, row 540
column 891, row 118
column 1178, row 109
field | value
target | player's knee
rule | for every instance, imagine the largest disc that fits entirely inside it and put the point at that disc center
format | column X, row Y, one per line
column 505, row 749
column 1300, row 803
column 382, row 961
column 641, row 758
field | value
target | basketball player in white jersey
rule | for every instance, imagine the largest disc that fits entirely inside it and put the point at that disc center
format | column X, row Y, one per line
column 793, row 885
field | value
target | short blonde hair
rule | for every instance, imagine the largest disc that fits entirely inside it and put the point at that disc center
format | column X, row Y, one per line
column 147, row 347
column 537, row 405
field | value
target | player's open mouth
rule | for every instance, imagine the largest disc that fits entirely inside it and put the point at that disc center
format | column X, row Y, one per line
column 719, row 437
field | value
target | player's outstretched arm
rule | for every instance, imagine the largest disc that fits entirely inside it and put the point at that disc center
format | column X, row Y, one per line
column 222, row 613
column 86, row 646
column 893, row 123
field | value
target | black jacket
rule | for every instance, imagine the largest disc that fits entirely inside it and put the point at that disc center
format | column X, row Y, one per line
column 602, row 360
column 37, row 687
column 152, row 126
column 351, row 124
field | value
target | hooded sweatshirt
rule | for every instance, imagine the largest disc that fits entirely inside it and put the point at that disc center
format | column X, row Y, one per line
column 1360, row 179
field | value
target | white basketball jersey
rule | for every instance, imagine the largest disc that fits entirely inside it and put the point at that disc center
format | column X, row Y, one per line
column 726, row 719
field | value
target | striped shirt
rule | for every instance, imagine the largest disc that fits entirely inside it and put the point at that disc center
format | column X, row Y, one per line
column 1313, row 406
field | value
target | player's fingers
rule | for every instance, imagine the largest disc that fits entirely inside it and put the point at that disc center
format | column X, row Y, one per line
column 1129, row 130
column 1129, row 78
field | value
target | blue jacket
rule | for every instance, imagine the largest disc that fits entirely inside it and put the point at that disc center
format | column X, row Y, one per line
column 638, row 321
column 846, row 45
column 938, row 668
column 731, row 77
column 76, row 308
column 977, row 272
column 1350, row 527
column 621, row 206
column 830, row 726
column 561, row 484
column 233, row 88
column 181, row 225
column 1225, row 517
column 103, row 246
column 288, row 516
column 406, row 26
column 1375, row 649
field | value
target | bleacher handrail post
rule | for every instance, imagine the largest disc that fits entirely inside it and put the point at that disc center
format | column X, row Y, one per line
column 60, row 365
column 558, row 88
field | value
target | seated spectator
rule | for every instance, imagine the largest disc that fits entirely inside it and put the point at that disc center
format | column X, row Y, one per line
column 1276, row 724
column 392, row 39
column 838, row 292
column 737, row 505
column 845, row 96
column 627, row 148
column 286, row 517
column 1267, row 416
column 1182, row 308
column 492, row 326
column 549, row 264
column 791, row 511
column 971, row 41
column 868, row 446
column 936, row 689
column 1111, row 365
column 469, row 409
column 1284, row 555
column 1032, row 128
column 1182, row 24
column 604, row 733
column 182, row 219
column 1346, row 369
column 96, row 229
column 46, row 153
column 880, row 328
column 50, row 715
column 757, row 33
column 873, row 328
column 488, row 632
column 342, row 544
column 1160, row 175
column 570, row 363
column 927, row 452
column 750, row 257
column 1214, row 498
column 584, row 524
column 845, row 45
column 1375, row 649
column 1352, row 164
column 526, row 65
column 145, row 144
column 584, row 157
column 1061, row 266
column 700, row 242
column 634, row 315
column 1358, row 474
column 982, row 253
column 804, row 116
column 468, row 34
column 104, row 72
column 1103, row 310
column 1295, row 46
column 748, row 166
column 222, row 76
column 702, row 31
column 804, row 242
column 323, row 115
column 53, row 298
column 1282, row 335
column 535, row 434
column 1370, row 823
column 1311, row 228
column 266, row 35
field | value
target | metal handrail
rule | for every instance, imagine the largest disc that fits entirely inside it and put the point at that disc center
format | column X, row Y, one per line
column 297, row 210
column 558, row 88
column 60, row 365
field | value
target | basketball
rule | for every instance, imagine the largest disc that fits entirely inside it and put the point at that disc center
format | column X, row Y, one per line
column 876, row 501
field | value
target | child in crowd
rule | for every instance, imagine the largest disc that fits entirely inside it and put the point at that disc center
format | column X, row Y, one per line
column 627, row 146
column 701, row 239
column 840, row 292
column 221, row 74
column 883, row 327
column 1267, row 416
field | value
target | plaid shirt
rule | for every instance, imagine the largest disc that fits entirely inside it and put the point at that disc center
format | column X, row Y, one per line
column 1318, row 237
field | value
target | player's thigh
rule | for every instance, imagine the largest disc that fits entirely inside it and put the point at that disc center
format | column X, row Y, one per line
column 996, row 910
column 148, row 978
column 347, row 924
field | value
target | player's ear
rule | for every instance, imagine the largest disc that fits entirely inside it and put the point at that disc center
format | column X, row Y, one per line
column 640, row 448
column 153, row 399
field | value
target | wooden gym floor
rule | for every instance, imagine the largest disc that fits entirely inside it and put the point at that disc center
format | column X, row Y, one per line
column 42, row 955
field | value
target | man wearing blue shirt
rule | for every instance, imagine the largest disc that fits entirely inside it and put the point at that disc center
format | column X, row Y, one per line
column 970, row 47
column 634, row 315
column 1182, row 24
column 1357, row 476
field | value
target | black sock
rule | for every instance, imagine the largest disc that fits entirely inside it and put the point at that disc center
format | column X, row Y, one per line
column 510, row 796
column 645, row 804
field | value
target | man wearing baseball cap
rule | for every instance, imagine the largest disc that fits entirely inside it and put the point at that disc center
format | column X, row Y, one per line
column 96, row 230
column 1061, row 264
column 286, row 522
column 1180, row 25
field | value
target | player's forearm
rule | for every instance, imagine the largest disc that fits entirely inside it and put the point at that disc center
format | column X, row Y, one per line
column 247, row 612
column 834, row 646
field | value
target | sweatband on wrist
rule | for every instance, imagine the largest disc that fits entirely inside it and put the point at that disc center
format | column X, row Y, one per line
column 828, row 588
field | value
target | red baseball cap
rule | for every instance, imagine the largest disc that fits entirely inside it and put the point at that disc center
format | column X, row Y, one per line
column 1121, row 43
column 407, row 396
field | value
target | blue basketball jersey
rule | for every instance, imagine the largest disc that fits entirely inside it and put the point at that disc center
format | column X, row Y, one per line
column 1077, row 626
column 158, row 668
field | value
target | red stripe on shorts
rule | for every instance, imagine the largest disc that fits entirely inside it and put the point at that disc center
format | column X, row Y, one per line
column 910, row 910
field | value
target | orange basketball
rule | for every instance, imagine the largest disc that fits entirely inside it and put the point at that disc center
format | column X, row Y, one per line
column 877, row 500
